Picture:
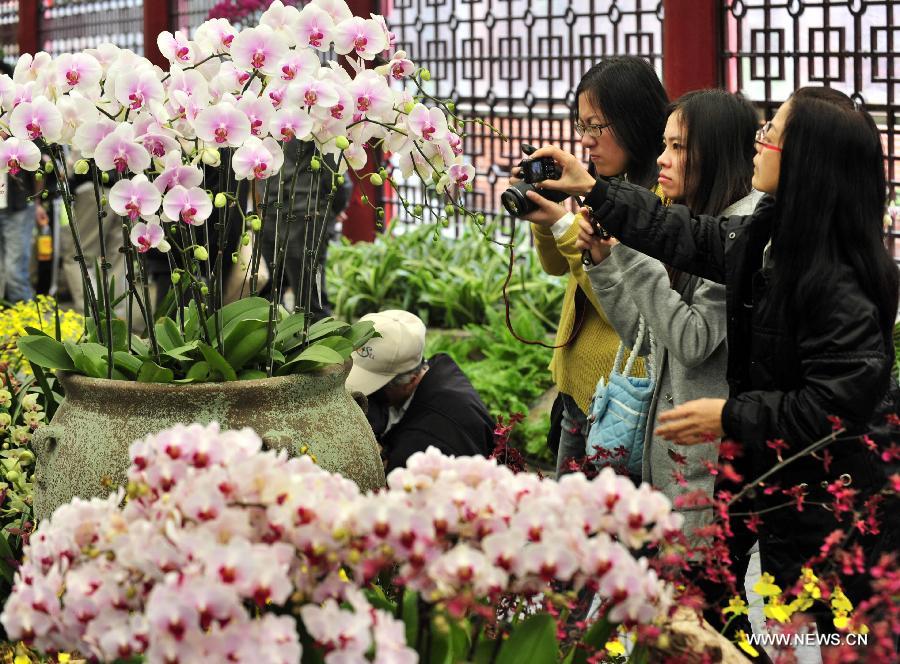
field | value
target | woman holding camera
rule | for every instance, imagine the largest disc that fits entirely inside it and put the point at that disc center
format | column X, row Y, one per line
column 811, row 297
column 620, row 118
column 706, row 164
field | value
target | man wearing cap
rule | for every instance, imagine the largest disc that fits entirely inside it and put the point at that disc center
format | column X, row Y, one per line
column 414, row 403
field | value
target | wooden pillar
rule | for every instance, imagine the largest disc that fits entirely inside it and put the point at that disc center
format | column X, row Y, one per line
column 27, row 33
column 691, row 45
column 359, row 222
column 157, row 18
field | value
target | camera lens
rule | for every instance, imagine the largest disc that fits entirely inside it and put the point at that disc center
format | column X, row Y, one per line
column 515, row 202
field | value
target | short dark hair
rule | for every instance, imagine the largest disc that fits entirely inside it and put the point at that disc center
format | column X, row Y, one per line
column 830, row 204
column 627, row 91
column 718, row 130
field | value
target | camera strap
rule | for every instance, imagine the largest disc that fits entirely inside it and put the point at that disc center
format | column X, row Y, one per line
column 581, row 302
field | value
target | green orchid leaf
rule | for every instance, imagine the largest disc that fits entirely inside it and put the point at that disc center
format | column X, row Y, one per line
column 218, row 365
column 313, row 357
column 244, row 341
column 181, row 353
column 326, row 327
column 533, row 641
column 45, row 352
column 168, row 336
column 151, row 372
column 199, row 372
column 127, row 363
column 252, row 374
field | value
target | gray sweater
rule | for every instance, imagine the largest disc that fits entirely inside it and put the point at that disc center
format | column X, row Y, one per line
column 688, row 326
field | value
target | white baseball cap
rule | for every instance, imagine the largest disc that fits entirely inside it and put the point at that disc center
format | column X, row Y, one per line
column 399, row 349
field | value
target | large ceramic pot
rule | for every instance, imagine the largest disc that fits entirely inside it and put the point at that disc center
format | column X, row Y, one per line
column 84, row 450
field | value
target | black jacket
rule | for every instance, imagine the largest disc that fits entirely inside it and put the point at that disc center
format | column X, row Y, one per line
column 445, row 412
column 785, row 377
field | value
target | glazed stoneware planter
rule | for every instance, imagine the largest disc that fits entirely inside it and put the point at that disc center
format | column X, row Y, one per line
column 84, row 450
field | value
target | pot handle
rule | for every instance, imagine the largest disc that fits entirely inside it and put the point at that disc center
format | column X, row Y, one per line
column 45, row 439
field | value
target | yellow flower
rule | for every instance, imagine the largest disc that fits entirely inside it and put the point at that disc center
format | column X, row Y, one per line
column 766, row 586
column 841, row 619
column 737, row 606
column 615, row 648
column 776, row 610
column 745, row 645
column 63, row 658
column 839, row 601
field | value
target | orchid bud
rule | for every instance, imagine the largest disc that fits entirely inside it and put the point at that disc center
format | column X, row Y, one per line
column 210, row 157
column 445, row 222
column 342, row 143
column 408, row 107
column 48, row 167
column 425, row 75
column 364, row 199
column 376, row 180
column 255, row 223
column 104, row 177
column 38, row 175
column 204, row 290
column 234, row 258
column 314, row 164
column 5, row 446
column 103, row 200
column 176, row 277
column 45, row 195
column 341, row 179
column 479, row 218
column 220, row 200
column 82, row 167
column 200, row 253
column 12, row 475
column 417, row 210
column 451, row 106
column 245, row 239
column 449, row 209
column 380, row 213
column 164, row 246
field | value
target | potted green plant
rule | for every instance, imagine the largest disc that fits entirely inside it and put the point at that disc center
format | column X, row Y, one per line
column 177, row 150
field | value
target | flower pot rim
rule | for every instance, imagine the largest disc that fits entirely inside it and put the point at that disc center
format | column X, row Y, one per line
column 224, row 386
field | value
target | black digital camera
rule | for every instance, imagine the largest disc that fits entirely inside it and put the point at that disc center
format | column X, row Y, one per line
column 533, row 170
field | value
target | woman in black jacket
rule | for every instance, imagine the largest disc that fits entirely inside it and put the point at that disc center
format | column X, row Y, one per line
column 811, row 298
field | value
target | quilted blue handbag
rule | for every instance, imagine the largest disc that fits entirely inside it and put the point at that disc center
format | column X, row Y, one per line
column 619, row 409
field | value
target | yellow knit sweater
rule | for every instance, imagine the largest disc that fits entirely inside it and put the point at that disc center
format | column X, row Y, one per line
column 577, row 367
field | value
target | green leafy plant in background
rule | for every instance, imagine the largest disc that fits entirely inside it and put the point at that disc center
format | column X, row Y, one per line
column 448, row 284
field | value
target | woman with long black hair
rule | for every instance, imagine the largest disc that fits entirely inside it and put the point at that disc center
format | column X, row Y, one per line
column 620, row 115
column 811, row 296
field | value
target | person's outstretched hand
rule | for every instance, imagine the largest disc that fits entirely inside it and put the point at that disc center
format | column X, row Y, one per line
column 588, row 239
column 575, row 180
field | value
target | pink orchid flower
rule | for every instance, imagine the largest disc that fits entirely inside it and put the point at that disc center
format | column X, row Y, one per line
column 7, row 92
column 275, row 92
column 75, row 111
column 338, row 10
column 303, row 62
column 371, row 94
column 306, row 91
column 215, row 35
column 389, row 37
column 136, row 89
column 259, row 112
column 192, row 206
column 190, row 83
column 29, row 67
column 315, row 28
column 158, row 141
column 458, row 175
column 88, row 136
column 290, row 123
column 228, row 80
column 343, row 109
column 120, row 150
column 222, row 125
column 259, row 48
column 16, row 154
column 398, row 68
column 174, row 172
column 429, row 124
column 36, row 119
column 148, row 236
column 257, row 159
column 282, row 19
column 78, row 71
column 176, row 48
column 134, row 198
column 362, row 35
